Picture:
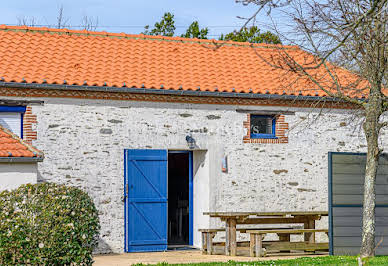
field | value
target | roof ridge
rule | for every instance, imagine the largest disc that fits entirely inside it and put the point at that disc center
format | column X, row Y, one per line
column 29, row 147
column 220, row 43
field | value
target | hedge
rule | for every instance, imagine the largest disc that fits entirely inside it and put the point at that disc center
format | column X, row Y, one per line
column 47, row 224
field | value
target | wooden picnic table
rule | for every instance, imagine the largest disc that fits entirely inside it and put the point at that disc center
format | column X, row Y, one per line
column 232, row 219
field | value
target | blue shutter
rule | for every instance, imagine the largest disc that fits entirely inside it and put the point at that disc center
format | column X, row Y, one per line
column 145, row 200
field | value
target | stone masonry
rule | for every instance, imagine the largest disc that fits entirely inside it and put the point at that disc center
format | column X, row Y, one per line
column 84, row 141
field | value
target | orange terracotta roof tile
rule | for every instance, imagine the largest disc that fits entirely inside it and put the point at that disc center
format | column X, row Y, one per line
column 12, row 146
column 73, row 57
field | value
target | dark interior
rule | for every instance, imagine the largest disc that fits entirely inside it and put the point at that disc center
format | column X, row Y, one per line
column 178, row 199
column 261, row 124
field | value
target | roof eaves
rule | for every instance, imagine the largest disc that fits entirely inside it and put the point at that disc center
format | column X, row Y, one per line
column 21, row 159
column 165, row 92
column 12, row 102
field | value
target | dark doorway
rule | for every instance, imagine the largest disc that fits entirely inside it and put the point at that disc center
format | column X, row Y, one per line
column 178, row 198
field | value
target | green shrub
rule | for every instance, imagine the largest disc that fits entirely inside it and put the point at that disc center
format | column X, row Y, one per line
column 47, row 224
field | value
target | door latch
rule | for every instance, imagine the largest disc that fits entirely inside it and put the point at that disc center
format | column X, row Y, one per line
column 125, row 193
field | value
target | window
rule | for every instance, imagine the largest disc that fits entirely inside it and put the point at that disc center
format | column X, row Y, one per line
column 11, row 117
column 262, row 127
column 265, row 128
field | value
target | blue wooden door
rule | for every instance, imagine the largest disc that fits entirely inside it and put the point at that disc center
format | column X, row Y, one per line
column 146, row 200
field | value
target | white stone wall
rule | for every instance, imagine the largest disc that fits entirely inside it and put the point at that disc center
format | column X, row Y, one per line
column 12, row 175
column 83, row 142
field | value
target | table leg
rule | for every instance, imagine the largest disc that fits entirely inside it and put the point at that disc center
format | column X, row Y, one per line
column 227, row 237
column 204, row 240
column 309, row 237
column 233, row 242
column 259, row 245
column 209, row 244
column 252, row 245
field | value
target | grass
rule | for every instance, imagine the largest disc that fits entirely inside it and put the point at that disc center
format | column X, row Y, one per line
column 329, row 260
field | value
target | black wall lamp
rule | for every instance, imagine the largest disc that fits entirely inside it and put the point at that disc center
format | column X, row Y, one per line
column 190, row 141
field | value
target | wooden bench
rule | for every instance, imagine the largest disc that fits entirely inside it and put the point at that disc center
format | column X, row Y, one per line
column 256, row 241
column 209, row 234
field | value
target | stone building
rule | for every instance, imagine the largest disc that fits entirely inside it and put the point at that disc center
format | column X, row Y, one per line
column 159, row 130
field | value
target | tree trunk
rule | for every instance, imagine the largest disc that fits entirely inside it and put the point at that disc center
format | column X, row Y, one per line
column 371, row 129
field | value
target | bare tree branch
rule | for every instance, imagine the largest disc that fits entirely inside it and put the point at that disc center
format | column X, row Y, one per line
column 26, row 21
column 348, row 27
column 61, row 20
column 89, row 23
column 355, row 33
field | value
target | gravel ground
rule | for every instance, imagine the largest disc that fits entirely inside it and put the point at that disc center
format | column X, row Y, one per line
column 188, row 256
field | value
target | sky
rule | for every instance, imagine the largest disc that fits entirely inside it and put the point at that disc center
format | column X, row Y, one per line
column 130, row 16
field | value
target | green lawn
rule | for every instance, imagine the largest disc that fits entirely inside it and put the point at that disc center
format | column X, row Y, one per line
column 330, row 260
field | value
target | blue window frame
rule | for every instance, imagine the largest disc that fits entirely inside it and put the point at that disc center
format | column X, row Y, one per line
column 12, row 109
column 263, row 127
column 15, row 109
